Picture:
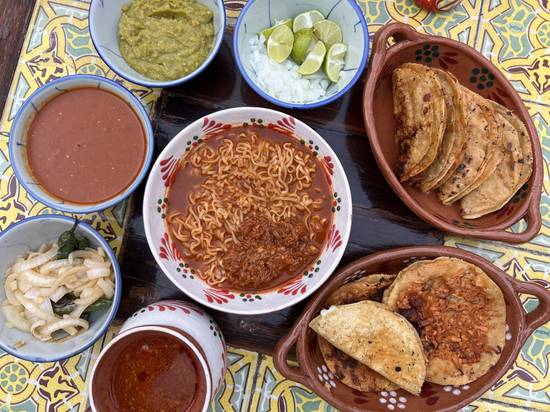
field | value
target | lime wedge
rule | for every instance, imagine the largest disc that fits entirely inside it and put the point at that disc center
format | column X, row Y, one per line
column 328, row 32
column 303, row 40
column 279, row 44
column 267, row 32
column 313, row 60
column 334, row 62
column 306, row 20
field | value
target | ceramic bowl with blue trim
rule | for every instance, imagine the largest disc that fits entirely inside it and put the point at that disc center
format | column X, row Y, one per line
column 103, row 23
column 29, row 234
column 257, row 15
column 28, row 111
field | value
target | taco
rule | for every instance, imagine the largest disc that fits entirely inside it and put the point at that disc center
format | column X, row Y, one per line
column 513, row 171
column 459, row 313
column 348, row 370
column 420, row 113
column 377, row 337
column 450, row 149
column 480, row 155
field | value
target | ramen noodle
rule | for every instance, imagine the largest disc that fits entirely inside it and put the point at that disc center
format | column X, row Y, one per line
column 249, row 208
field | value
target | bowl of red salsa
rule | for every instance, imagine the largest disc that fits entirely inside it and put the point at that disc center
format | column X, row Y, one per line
column 81, row 143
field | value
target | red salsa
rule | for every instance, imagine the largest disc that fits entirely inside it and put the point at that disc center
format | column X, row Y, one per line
column 149, row 372
column 85, row 146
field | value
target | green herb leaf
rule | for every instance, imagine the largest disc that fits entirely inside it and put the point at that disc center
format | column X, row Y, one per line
column 69, row 241
column 65, row 305
column 83, row 242
column 100, row 304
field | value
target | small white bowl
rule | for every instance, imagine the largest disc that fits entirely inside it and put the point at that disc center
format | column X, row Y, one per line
column 25, row 116
column 103, row 23
column 174, row 266
column 258, row 15
column 30, row 234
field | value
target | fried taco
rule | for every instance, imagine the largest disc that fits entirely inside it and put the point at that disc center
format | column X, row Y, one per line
column 513, row 171
column 459, row 313
column 348, row 370
column 479, row 148
column 377, row 337
column 420, row 113
column 450, row 149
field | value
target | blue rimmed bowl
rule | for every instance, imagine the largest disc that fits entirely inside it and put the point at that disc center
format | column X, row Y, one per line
column 25, row 116
column 30, row 234
column 258, row 15
column 103, row 23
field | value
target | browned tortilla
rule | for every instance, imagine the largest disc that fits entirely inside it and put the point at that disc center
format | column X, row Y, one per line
column 423, row 274
column 450, row 150
column 480, row 154
column 512, row 172
column 348, row 370
column 377, row 337
column 420, row 113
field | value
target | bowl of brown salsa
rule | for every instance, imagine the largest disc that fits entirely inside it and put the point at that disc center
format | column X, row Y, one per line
column 247, row 210
column 151, row 368
column 81, row 143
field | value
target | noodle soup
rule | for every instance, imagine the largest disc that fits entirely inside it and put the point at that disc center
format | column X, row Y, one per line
column 249, row 208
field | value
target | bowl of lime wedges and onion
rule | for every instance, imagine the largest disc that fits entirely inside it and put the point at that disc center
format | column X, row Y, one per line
column 299, row 57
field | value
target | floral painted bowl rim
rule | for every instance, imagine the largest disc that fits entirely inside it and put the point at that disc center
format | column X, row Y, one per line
column 242, row 302
column 406, row 36
column 526, row 323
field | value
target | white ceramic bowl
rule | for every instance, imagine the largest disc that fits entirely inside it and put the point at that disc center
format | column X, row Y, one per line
column 103, row 23
column 25, row 116
column 30, row 234
column 164, row 249
column 185, row 321
column 258, row 15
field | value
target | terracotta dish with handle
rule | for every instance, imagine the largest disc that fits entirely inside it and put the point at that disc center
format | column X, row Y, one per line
column 313, row 372
column 474, row 72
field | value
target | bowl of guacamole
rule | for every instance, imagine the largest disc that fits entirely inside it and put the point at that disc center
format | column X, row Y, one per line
column 157, row 43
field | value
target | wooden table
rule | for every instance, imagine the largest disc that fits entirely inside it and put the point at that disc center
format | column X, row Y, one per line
column 380, row 219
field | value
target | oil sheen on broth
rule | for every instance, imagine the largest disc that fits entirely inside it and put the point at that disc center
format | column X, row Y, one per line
column 249, row 208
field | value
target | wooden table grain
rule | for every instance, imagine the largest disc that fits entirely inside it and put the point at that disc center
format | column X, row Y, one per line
column 14, row 18
column 380, row 219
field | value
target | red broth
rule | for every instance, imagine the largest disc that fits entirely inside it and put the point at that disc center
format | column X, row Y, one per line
column 149, row 371
column 85, row 146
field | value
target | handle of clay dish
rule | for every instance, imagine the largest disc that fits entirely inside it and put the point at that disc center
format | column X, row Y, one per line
column 280, row 358
column 400, row 32
column 541, row 314
column 534, row 223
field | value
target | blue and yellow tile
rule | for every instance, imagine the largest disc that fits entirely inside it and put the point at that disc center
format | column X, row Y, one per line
column 514, row 34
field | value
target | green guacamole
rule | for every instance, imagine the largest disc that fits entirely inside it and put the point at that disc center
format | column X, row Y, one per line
column 165, row 39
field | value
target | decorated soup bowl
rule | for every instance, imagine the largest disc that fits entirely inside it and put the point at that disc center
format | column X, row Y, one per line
column 313, row 372
column 186, row 322
column 166, row 251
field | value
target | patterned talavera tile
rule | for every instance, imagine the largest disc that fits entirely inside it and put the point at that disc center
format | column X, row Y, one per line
column 527, row 379
column 514, row 34
column 460, row 23
column 273, row 392
column 235, row 393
